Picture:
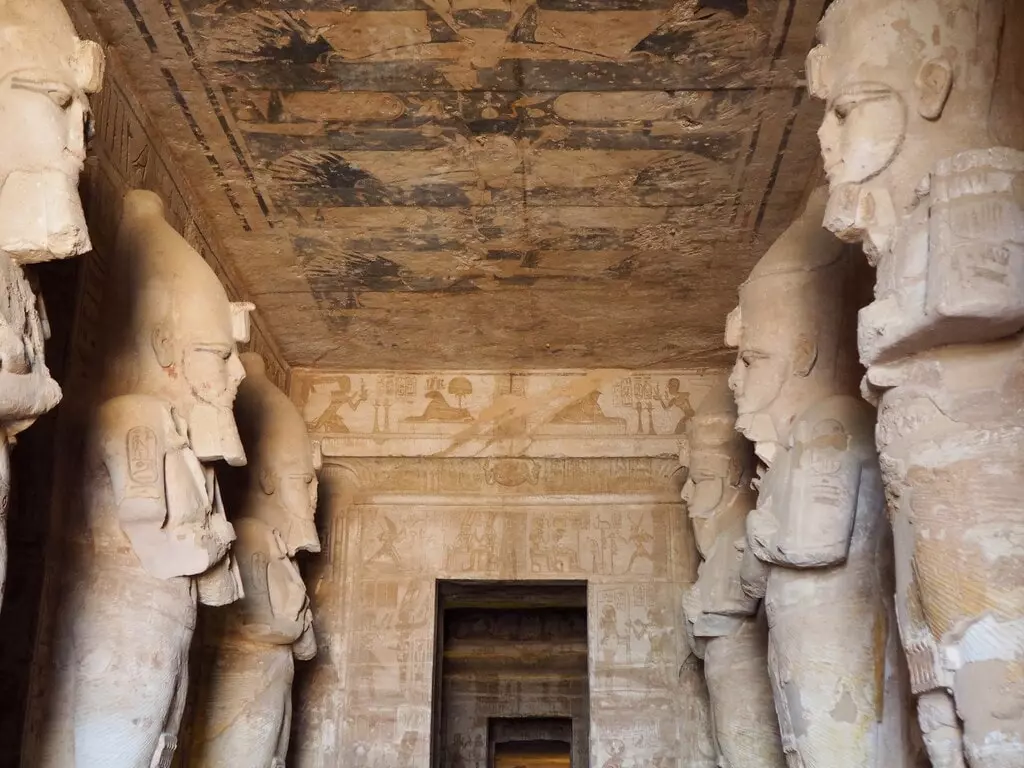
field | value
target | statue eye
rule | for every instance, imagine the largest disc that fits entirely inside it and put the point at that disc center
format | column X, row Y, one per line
column 59, row 93
column 843, row 108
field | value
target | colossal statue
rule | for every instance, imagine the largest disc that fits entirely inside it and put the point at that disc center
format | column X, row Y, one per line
column 723, row 624
column 153, row 538
column 921, row 142
column 45, row 73
column 247, row 698
column 818, row 546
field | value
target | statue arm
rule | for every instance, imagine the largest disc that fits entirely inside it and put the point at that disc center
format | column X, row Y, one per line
column 136, row 434
column 132, row 445
column 817, row 503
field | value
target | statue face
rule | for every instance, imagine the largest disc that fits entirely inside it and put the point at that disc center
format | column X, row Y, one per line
column 297, row 489
column 212, row 370
column 905, row 85
column 862, row 136
column 862, row 131
column 710, row 472
column 764, row 366
column 45, row 73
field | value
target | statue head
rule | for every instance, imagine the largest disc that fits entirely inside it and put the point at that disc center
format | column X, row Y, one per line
column 45, row 73
column 906, row 83
column 720, row 468
column 794, row 329
column 178, row 331
column 282, row 463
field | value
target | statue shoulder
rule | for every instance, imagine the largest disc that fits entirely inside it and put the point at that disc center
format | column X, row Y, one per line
column 133, row 426
column 842, row 421
column 124, row 412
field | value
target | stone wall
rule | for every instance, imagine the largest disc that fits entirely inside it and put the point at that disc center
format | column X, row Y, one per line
column 497, row 476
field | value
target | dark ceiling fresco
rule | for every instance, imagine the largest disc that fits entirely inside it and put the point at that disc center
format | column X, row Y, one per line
column 483, row 183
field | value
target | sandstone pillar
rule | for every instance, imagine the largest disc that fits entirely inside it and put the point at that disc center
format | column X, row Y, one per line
column 152, row 538
column 922, row 140
column 45, row 73
column 723, row 622
column 818, row 547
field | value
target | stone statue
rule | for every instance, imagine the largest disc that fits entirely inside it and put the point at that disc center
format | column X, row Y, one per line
column 922, row 143
column 818, row 546
column 722, row 621
column 247, row 700
column 45, row 74
column 154, row 538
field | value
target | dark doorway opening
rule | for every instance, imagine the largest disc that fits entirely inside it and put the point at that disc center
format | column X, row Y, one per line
column 510, row 675
column 529, row 742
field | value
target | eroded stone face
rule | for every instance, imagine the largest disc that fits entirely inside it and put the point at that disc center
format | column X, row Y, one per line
column 817, row 544
column 154, row 539
column 46, row 71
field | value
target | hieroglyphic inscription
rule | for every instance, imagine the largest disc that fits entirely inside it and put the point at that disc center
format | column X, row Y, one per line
column 609, row 413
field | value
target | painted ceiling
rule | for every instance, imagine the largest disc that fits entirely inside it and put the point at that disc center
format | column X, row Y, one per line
column 483, row 183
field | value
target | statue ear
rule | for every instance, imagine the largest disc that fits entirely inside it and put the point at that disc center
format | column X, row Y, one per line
column 163, row 346
column 934, row 82
column 268, row 482
column 804, row 356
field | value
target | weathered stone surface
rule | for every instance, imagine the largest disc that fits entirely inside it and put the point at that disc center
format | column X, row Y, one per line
column 244, row 712
column 45, row 73
column 153, row 539
column 397, row 517
column 818, row 534
column 725, row 627
column 934, row 196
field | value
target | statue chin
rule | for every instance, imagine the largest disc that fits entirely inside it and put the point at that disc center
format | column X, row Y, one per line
column 214, row 435
column 59, row 232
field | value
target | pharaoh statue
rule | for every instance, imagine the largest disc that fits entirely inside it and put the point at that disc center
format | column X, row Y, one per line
column 922, row 145
column 818, row 545
column 46, row 72
column 723, row 623
column 153, row 538
column 247, row 699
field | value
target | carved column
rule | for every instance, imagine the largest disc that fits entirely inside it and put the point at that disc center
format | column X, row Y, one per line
column 151, row 538
column 818, row 546
column 244, row 714
column 45, row 73
column 723, row 623
column 921, row 140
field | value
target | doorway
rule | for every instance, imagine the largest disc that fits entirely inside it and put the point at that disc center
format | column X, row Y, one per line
column 510, row 677
column 529, row 742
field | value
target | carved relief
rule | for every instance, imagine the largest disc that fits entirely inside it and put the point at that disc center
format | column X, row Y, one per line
column 612, row 521
column 818, row 536
column 247, row 699
column 476, row 414
column 154, row 538
column 934, row 198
